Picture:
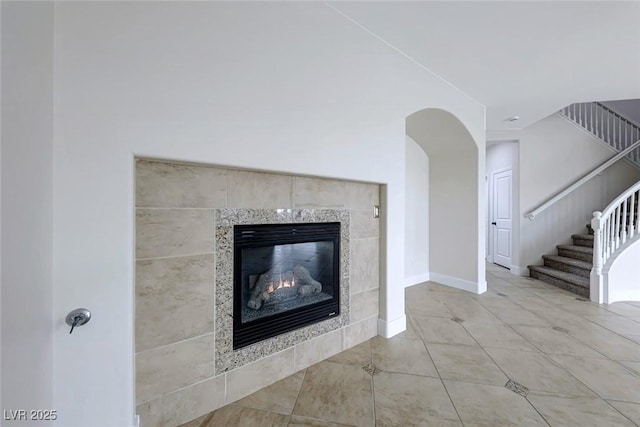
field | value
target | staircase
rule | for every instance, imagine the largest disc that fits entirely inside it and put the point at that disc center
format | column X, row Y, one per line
column 577, row 268
column 570, row 269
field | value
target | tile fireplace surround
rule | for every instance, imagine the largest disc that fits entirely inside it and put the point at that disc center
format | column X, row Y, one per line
column 185, row 366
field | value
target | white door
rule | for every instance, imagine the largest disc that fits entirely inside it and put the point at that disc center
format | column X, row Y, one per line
column 502, row 217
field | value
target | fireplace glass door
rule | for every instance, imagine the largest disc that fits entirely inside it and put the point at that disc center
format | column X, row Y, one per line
column 286, row 276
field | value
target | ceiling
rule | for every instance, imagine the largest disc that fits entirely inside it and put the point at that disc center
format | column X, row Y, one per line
column 518, row 58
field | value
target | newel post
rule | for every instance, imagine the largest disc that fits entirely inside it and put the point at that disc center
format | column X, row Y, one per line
column 596, row 280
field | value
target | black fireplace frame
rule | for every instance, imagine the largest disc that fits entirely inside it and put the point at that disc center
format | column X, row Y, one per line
column 262, row 235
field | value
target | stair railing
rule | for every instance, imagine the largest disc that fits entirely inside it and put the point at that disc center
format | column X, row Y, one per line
column 532, row 214
column 610, row 127
column 613, row 227
column 607, row 125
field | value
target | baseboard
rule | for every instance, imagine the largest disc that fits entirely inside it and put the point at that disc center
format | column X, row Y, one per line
column 519, row 271
column 414, row 280
column 388, row 329
column 482, row 288
column 455, row 282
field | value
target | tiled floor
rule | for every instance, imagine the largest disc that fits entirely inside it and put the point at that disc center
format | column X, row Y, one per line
column 524, row 353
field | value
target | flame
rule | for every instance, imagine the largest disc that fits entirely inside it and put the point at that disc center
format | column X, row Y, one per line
column 280, row 284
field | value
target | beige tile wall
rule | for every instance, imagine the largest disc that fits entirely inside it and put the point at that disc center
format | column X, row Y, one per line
column 175, row 380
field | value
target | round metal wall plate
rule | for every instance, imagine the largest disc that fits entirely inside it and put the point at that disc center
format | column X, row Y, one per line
column 82, row 315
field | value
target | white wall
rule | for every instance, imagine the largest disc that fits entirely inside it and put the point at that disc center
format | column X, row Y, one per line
column 504, row 155
column 289, row 87
column 456, row 199
column 622, row 275
column 628, row 108
column 416, row 244
column 554, row 153
column 26, row 222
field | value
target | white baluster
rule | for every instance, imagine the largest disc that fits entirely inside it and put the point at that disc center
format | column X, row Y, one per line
column 616, row 132
column 638, row 211
column 598, row 262
column 623, row 221
column 596, row 225
column 620, row 137
column 616, row 240
column 632, row 210
column 610, row 237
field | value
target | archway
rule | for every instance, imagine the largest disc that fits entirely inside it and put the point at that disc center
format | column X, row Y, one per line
column 455, row 237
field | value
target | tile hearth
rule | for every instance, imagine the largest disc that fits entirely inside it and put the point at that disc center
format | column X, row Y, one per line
column 524, row 353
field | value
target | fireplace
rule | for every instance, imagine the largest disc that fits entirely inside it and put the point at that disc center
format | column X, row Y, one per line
column 285, row 276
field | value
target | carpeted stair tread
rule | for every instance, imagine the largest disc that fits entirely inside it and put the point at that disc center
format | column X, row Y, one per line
column 570, row 261
column 583, row 249
column 574, row 279
column 585, row 240
column 571, row 268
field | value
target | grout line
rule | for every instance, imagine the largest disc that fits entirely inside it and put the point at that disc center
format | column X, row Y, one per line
column 175, row 256
column 608, row 329
column 207, row 420
column 426, row 347
column 163, row 346
column 373, row 389
column 226, row 189
column 292, row 196
column 295, row 402
column 536, row 349
column 180, row 389
column 177, row 208
column 554, row 363
column 536, row 409
column 581, row 316
column 226, row 385
column 617, row 410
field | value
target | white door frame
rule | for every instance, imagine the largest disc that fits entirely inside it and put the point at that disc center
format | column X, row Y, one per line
column 490, row 203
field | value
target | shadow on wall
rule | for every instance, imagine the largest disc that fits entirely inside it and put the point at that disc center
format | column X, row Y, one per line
column 453, row 196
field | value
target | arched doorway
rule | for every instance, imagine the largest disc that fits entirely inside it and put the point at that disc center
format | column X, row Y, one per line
column 455, row 195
